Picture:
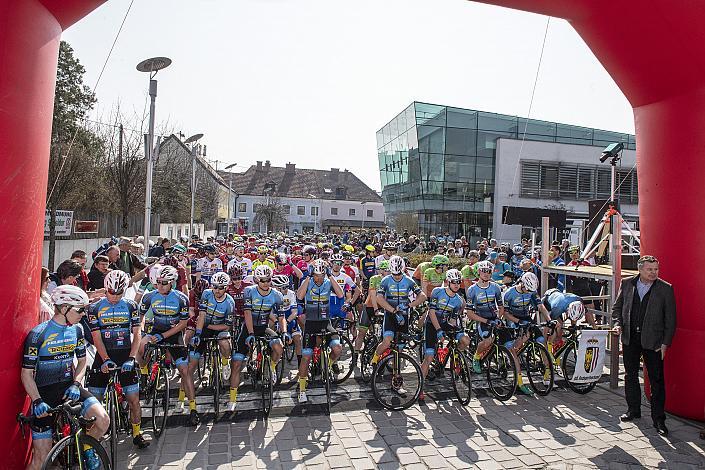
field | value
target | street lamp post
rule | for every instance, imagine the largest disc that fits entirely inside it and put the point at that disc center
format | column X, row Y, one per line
column 230, row 195
column 194, row 149
column 363, row 214
column 151, row 66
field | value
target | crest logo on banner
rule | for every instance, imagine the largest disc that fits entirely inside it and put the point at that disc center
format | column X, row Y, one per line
column 592, row 347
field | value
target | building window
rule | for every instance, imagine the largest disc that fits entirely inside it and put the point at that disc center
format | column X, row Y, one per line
column 287, row 209
column 351, row 212
column 242, row 207
column 255, row 207
column 370, row 213
column 314, row 210
column 333, row 211
column 341, row 193
column 300, row 210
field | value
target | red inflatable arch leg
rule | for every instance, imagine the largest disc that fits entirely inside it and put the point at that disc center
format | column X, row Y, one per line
column 656, row 55
column 30, row 31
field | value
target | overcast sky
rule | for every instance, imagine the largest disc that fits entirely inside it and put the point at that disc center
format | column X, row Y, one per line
column 311, row 81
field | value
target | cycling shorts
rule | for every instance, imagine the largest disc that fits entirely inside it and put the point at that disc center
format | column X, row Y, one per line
column 98, row 381
column 53, row 395
column 240, row 347
column 312, row 327
column 197, row 352
column 176, row 348
column 431, row 336
column 390, row 324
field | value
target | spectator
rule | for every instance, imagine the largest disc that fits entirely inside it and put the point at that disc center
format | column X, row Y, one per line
column 645, row 315
column 46, row 306
column 67, row 273
column 160, row 249
column 113, row 255
column 81, row 257
column 128, row 262
column 98, row 271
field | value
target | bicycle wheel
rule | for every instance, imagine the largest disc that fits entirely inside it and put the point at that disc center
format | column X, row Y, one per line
column 289, row 351
column 280, row 371
column 113, row 413
column 326, row 376
column 568, row 360
column 460, row 376
column 65, row 455
column 343, row 367
column 368, row 351
column 216, row 380
column 160, row 401
column 397, row 381
column 266, row 385
column 501, row 373
column 539, row 368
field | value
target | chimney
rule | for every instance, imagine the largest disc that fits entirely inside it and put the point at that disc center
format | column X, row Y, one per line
column 259, row 165
column 266, row 165
column 334, row 174
column 290, row 168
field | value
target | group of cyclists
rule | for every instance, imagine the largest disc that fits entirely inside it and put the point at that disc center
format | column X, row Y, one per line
column 239, row 290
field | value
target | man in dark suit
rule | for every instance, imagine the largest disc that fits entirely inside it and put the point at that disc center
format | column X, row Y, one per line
column 645, row 315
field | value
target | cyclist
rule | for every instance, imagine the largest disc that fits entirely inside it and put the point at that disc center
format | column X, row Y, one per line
column 388, row 250
column 309, row 252
column 290, row 311
column 209, row 264
column 49, row 376
column 315, row 292
column 170, row 318
column 262, row 258
column 435, row 275
column 500, row 265
column 445, row 310
column 262, row 304
column 228, row 254
column 515, row 261
column 349, row 264
column 393, row 297
column 484, row 301
column 285, row 267
column 562, row 306
column 520, row 301
column 112, row 318
column 367, row 266
column 371, row 306
column 194, row 301
column 240, row 260
column 417, row 275
column 340, row 308
column 469, row 271
column 215, row 319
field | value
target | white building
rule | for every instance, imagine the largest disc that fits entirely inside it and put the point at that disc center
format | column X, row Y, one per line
column 312, row 200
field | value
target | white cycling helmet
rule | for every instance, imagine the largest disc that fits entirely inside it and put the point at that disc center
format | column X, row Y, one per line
column 397, row 265
column 263, row 271
column 168, row 273
column 116, row 281
column 282, row 258
column 154, row 273
column 336, row 257
column 280, row 280
column 518, row 249
column 485, row 266
column 453, row 275
column 220, row 279
column 69, row 295
column 530, row 281
column 575, row 311
column 319, row 267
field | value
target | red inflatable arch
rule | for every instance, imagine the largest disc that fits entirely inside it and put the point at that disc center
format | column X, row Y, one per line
column 654, row 51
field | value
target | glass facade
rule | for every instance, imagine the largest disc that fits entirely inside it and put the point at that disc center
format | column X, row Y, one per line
column 438, row 162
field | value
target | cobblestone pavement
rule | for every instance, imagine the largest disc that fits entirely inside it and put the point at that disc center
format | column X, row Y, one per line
column 563, row 430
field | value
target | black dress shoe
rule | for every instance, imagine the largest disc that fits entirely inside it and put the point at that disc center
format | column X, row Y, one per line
column 629, row 416
column 661, row 428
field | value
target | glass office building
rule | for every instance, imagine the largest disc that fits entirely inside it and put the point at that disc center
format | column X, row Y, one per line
column 439, row 162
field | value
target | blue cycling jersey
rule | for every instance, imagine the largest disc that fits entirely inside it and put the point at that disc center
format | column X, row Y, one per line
column 447, row 307
column 499, row 270
column 396, row 293
column 49, row 350
column 167, row 310
column 262, row 305
column 520, row 305
column 218, row 312
column 484, row 300
column 114, row 322
column 557, row 302
column 317, row 300
column 368, row 266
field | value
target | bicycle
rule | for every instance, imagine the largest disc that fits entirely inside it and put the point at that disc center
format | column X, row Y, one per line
column 213, row 374
column 116, row 405
column 535, row 359
column 370, row 343
column 157, row 386
column 259, row 370
column 567, row 355
column 399, row 369
column 70, row 438
column 321, row 364
column 459, row 369
column 500, row 370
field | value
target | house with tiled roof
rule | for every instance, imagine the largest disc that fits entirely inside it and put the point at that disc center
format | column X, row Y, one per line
column 312, row 200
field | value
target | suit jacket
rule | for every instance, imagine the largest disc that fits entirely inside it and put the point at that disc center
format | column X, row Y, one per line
column 659, row 320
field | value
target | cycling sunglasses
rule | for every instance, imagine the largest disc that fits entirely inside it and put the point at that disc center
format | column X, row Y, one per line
column 115, row 292
column 264, row 280
column 79, row 310
column 219, row 287
column 164, row 283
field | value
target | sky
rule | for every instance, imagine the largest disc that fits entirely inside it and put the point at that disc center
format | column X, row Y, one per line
column 311, row 81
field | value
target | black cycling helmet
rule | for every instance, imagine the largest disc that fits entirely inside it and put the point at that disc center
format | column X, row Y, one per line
column 209, row 248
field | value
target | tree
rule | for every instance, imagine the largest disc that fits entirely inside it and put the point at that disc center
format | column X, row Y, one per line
column 408, row 221
column 71, row 144
column 270, row 213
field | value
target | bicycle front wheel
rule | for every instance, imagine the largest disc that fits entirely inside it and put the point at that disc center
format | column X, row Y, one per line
column 160, row 401
column 216, row 379
column 501, row 373
column 327, row 377
column 539, row 368
column 397, row 381
column 67, row 455
column 460, row 375
column 343, row 367
column 266, row 385
column 113, row 413
column 568, row 362
column 368, row 351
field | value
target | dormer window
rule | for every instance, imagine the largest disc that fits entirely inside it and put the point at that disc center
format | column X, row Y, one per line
column 269, row 188
column 341, row 193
